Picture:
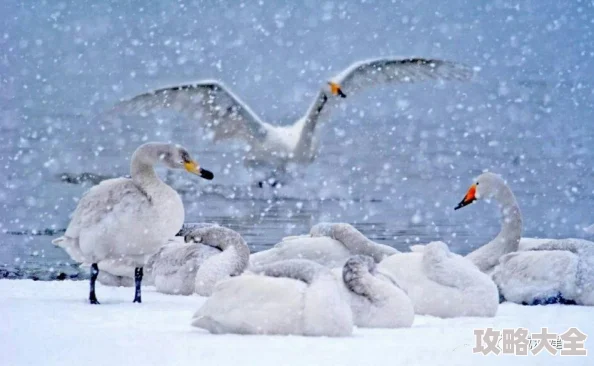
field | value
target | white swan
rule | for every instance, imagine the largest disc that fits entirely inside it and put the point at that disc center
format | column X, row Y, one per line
column 375, row 301
column 120, row 272
column 297, row 297
column 223, row 113
column 210, row 253
column 129, row 218
column 560, row 271
column 441, row 283
column 537, row 270
column 327, row 244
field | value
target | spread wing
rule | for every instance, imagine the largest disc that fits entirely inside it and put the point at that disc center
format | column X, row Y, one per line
column 368, row 73
column 210, row 102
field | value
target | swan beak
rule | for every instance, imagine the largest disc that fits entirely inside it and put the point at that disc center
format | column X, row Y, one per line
column 194, row 168
column 469, row 198
column 335, row 89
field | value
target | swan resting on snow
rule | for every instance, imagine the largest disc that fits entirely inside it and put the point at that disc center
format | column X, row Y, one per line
column 441, row 283
column 375, row 301
column 129, row 218
column 227, row 117
column 327, row 244
column 297, row 297
column 530, row 271
column 209, row 254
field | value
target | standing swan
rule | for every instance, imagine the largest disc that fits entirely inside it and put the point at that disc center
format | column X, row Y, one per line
column 220, row 111
column 129, row 218
column 297, row 297
column 526, row 270
column 376, row 302
column 209, row 254
column 329, row 244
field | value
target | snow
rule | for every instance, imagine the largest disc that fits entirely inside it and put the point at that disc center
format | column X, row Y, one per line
column 51, row 323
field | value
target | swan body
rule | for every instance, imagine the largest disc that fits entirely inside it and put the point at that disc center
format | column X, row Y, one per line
column 528, row 270
column 129, row 218
column 327, row 244
column 441, row 283
column 227, row 117
column 293, row 297
column 208, row 255
column 375, row 301
column 560, row 270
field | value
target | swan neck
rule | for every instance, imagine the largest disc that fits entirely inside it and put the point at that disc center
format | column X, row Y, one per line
column 309, row 123
column 508, row 239
column 142, row 167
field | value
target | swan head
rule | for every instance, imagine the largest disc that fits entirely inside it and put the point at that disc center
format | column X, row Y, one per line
column 336, row 90
column 177, row 157
column 486, row 186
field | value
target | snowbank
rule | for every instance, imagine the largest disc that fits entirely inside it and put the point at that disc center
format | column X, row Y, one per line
column 50, row 323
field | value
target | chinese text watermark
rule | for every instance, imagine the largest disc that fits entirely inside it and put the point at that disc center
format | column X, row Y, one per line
column 520, row 342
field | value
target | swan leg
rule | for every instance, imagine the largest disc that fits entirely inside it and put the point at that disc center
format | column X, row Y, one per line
column 94, row 274
column 137, row 282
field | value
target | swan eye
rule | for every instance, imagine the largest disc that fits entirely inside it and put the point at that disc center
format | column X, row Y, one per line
column 185, row 157
column 476, row 184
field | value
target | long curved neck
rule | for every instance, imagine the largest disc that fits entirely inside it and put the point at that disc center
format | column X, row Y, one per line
column 357, row 277
column 310, row 121
column 142, row 166
column 508, row 239
column 297, row 269
column 355, row 241
column 232, row 261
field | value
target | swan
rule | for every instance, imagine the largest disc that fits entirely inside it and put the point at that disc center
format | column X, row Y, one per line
column 441, row 283
column 329, row 244
column 120, row 272
column 375, row 301
column 559, row 271
column 227, row 117
column 292, row 297
column 209, row 254
column 528, row 270
column 129, row 218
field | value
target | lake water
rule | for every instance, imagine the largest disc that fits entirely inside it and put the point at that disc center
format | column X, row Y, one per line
column 393, row 162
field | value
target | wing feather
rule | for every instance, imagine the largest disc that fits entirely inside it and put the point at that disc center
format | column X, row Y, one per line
column 369, row 73
column 210, row 102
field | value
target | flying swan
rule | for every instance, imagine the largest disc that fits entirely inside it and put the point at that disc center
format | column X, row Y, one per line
column 327, row 244
column 227, row 117
column 293, row 297
column 129, row 218
column 526, row 270
column 209, row 254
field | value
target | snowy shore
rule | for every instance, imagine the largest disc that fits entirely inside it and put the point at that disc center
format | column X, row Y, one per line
column 51, row 323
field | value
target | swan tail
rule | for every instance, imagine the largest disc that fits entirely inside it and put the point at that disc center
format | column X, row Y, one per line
column 356, row 274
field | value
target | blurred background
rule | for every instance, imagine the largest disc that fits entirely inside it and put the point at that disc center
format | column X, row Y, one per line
column 393, row 161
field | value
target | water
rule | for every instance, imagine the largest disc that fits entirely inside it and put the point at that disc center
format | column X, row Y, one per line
column 393, row 161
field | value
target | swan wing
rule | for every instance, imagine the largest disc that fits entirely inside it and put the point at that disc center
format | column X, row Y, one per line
column 112, row 199
column 525, row 276
column 368, row 73
column 208, row 101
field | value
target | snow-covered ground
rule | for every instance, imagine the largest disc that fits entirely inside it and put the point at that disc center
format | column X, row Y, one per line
column 51, row 323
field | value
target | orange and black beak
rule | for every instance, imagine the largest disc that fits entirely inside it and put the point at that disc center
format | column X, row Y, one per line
column 335, row 89
column 193, row 167
column 469, row 198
